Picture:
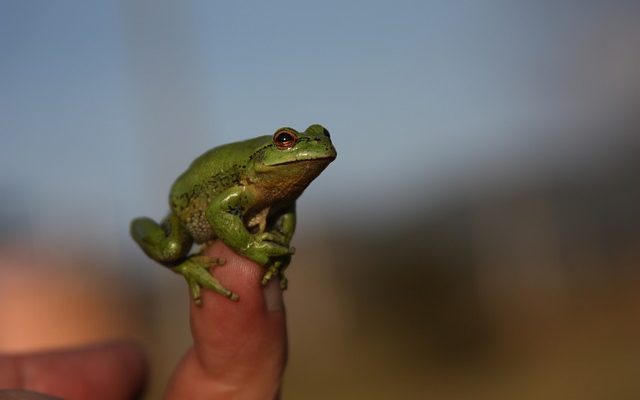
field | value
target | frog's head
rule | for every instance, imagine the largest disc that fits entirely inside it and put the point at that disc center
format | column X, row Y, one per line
column 289, row 146
column 296, row 154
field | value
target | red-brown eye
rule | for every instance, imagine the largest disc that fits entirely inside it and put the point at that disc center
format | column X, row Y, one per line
column 285, row 139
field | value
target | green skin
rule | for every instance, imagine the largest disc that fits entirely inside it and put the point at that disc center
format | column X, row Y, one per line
column 244, row 194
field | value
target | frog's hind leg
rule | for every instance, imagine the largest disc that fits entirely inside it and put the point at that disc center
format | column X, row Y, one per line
column 195, row 270
column 167, row 242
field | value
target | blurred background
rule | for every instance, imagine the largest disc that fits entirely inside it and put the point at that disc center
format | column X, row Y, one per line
column 478, row 236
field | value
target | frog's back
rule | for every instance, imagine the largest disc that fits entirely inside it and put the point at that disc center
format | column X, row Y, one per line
column 209, row 175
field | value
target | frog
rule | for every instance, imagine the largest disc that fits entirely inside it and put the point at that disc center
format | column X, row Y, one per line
column 244, row 194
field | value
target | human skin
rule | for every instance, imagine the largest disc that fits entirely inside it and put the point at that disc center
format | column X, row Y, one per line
column 239, row 350
column 104, row 371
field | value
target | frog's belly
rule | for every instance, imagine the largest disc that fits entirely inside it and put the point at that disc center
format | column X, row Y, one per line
column 199, row 228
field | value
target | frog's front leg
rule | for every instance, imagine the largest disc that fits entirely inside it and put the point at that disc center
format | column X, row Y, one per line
column 225, row 214
column 283, row 228
column 276, row 267
column 282, row 232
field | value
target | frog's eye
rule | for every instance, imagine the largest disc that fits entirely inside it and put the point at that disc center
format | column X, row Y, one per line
column 285, row 139
column 326, row 133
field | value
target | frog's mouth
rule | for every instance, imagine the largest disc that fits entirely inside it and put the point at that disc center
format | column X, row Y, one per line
column 326, row 160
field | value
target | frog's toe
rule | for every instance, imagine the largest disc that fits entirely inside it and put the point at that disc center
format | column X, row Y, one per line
column 284, row 282
column 272, row 271
column 275, row 237
column 194, row 289
column 270, row 274
column 212, row 283
column 195, row 271
column 208, row 262
column 266, row 277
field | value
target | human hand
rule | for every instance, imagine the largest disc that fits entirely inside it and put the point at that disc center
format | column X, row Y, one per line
column 239, row 350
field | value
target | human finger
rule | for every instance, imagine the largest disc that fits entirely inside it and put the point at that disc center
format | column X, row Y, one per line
column 239, row 347
column 114, row 370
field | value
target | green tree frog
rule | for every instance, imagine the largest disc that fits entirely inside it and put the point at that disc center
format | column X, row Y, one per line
column 244, row 194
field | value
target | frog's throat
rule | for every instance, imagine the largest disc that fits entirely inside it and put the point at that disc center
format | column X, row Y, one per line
column 288, row 180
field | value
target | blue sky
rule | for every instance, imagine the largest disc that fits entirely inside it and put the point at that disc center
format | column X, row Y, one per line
column 102, row 105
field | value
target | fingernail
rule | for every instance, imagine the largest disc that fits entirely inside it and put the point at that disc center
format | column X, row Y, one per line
column 273, row 296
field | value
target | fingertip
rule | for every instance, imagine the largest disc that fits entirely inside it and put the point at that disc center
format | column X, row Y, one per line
column 240, row 332
column 247, row 309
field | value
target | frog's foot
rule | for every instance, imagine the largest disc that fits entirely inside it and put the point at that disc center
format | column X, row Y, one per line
column 273, row 236
column 195, row 271
column 272, row 271
column 276, row 269
column 263, row 251
column 284, row 282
